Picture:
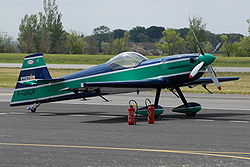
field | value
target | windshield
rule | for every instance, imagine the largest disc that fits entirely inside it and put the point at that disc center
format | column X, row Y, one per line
column 126, row 60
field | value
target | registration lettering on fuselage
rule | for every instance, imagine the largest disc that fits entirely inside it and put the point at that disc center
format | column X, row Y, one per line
column 27, row 92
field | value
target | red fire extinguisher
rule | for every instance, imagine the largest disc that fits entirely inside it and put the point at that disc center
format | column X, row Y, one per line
column 151, row 112
column 132, row 115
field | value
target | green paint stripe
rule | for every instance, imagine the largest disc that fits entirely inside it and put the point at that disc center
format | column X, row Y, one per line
column 35, row 62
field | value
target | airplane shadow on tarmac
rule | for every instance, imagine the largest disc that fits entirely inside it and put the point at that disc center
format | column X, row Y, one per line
column 107, row 117
column 175, row 117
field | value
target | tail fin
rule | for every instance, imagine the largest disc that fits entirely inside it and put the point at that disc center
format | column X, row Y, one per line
column 33, row 68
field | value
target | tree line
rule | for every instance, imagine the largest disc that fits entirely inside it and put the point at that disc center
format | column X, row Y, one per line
column 44, row 33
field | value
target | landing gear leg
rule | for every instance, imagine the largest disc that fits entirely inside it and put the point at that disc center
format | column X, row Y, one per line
column 183, row 99
column 33, row 107
column 157, row 96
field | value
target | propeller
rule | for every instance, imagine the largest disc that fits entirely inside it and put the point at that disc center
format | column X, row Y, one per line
column 196, row 69
column 216, row 48
column 213, row 76
column 198, row 43
column 209, row 68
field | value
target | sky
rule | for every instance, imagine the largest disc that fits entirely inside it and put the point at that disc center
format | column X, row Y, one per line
column 82, row 16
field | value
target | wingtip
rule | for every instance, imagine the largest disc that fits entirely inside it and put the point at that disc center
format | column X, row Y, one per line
column 219, row 87
column 190, row 76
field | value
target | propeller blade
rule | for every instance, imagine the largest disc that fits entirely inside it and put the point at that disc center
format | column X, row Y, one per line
column 213, row 76
column 198, row 43
column 216, row 48
column 196, row 69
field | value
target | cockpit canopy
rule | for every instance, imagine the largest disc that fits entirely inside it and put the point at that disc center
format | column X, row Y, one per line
column 126, row 60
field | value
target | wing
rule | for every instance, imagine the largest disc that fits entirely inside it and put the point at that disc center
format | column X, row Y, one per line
column 205, row 81
column 116, row 87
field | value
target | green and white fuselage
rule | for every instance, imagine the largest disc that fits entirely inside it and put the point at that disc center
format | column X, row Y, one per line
column 35, row 84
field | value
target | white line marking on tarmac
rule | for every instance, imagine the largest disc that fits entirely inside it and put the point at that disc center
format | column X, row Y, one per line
column 108, row 116
column 78, row 115
column 239, row 121
column 17, row 113
column 204, row 120
column 46, row 114
column 3, row 113
column 218, row 108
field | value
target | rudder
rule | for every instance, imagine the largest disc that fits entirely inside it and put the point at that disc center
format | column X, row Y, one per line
column 33, row 68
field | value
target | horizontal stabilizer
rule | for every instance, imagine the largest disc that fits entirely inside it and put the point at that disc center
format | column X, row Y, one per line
column 40, row 81
column 205, row 81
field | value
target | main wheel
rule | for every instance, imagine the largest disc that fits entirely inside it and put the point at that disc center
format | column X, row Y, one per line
column 190, row 114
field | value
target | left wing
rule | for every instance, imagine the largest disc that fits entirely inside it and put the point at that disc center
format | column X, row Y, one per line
column 115, row 87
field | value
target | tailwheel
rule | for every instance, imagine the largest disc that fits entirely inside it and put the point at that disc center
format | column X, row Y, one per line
column 33, row 110
column 33, row 107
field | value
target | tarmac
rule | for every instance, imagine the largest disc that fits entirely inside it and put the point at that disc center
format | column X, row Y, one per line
column 95, row 133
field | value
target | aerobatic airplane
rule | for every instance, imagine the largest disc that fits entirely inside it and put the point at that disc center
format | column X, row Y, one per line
column 126, row 72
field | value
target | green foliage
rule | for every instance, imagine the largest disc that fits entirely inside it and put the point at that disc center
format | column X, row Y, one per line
column 141, row 34
column 138, row 34
column 101, row 30
column 116, row 46
column 196, row 26
column 53, row 24
column 227, row 46
column 6, row 43
column 248, row 21
column 28, row 31
column 101, row 34
column 118, row 33
column 119, row 44
column 42, row 32
column 208, row 47
column 172, row 44
column 75, row 43
column 92, row 44
column 106, row 47
column 154, row 33
column 242, row 48
column 183, row 32
column 235, row 49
